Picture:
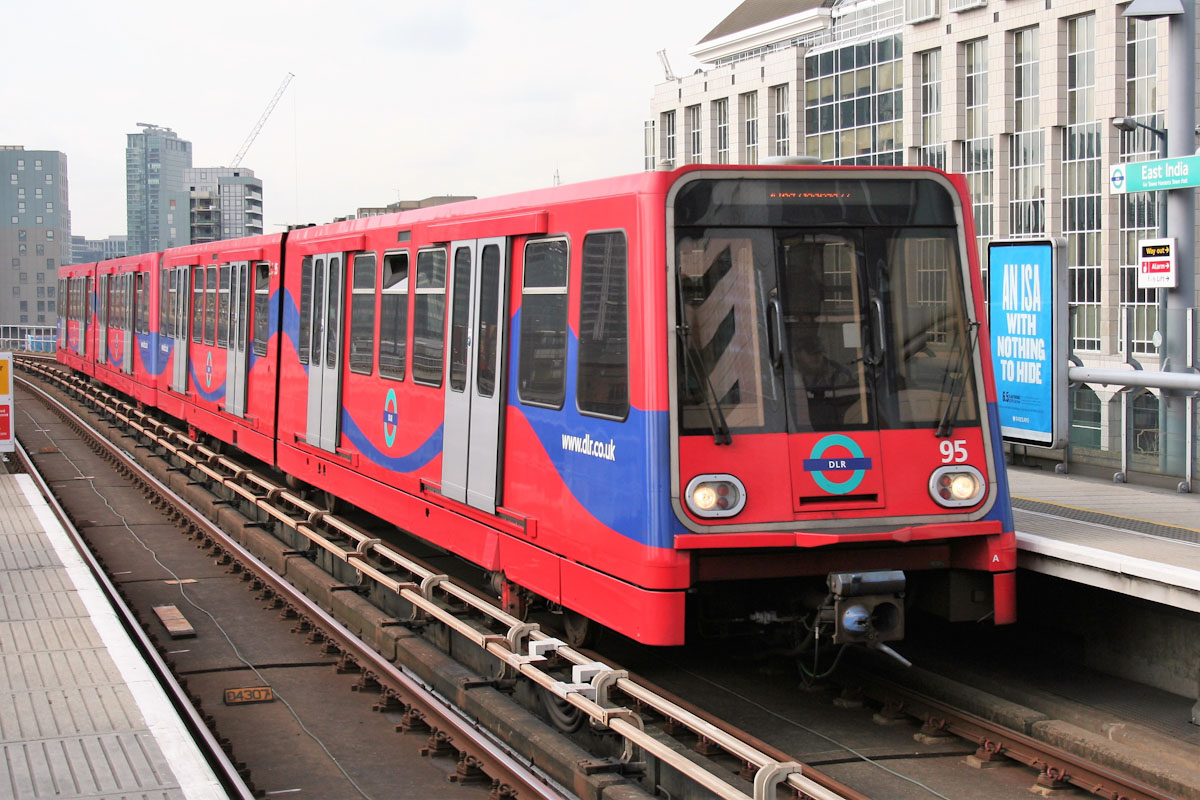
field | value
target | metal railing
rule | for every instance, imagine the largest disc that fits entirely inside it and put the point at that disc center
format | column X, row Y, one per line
column 28, row 338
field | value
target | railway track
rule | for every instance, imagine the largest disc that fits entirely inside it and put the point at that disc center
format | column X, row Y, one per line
column 641, row 737
column 294, row 538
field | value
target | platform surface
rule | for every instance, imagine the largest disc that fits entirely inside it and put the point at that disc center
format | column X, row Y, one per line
column 1138, row 540
column 81, row 714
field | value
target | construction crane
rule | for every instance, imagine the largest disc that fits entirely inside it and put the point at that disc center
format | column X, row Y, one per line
column 262, row 120
column 662, row 56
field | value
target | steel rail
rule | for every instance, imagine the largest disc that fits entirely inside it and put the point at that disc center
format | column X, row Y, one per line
column 219, row 762
column 1055, row 765
column 521, row 646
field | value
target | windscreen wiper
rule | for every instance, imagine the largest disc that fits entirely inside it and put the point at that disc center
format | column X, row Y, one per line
column 957, row 389
column 716, row 415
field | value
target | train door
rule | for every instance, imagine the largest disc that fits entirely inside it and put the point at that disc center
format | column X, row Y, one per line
column 101, row 322
column 127, row 301
column 179, row 366
column 325, row 356
column 474, row 394
column 235, row 352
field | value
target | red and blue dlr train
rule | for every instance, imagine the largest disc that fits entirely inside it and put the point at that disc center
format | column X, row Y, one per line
column 660, row 402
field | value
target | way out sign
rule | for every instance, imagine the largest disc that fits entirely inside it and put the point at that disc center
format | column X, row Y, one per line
column 1027, row 317
column 1156, row 263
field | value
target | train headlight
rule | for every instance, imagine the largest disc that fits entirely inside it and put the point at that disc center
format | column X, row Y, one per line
column 957, row 486
column 715, row 495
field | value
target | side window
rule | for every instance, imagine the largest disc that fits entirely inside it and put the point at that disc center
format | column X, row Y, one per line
column 362, row 314
column 210, row 305
column 460, row 319
column 223, row 308
column 429, row 317
column 602, row 385
column 243, row 304
column 198, row 304
column 393, row 316
column 302, row 346
column 262, row 304
column 139, row 305
column 487, row 331
column 541, row 378
column 165, row 294
column 318, row 306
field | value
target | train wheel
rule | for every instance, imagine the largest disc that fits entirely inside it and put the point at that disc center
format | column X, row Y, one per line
column 333, row 504
column 579, row 630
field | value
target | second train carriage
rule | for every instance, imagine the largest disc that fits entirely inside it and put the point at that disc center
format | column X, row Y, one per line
column 668, row 396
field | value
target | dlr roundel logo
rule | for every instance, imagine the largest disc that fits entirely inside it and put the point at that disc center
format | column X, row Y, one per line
column 821, row 465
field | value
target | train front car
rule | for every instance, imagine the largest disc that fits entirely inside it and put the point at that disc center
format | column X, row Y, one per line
column 834, row 440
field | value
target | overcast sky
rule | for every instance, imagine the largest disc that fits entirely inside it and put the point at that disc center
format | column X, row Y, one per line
column 400, row 99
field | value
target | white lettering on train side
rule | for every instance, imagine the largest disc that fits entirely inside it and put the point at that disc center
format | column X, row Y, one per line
column 590, row 447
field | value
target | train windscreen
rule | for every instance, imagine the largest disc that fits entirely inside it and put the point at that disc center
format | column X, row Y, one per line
column 819, row 305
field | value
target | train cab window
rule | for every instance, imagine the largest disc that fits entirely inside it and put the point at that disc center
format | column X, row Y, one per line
column 602, row 386
column 393, row 316
column 262, row 303
column 429, row 317
column 210, row 305
column 460, row 319
column 223, row 308
column 306, row 283
column 541, row 378
column 198, row 304
column 362, row 314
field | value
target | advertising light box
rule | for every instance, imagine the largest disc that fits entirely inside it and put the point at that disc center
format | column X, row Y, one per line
column 1027, row 315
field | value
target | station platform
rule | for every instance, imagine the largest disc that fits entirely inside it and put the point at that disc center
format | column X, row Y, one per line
column 1141, row 541
column 81, row 714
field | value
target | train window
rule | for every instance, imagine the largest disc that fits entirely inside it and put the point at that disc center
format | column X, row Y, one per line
column 223, row 307
column 928, row 326
column 333, row 305
column 210, row 305
column 393, row 316
column 305, row 308
column 460, row 319
column 142, row 294
column 262, row 303
column 543, row 347
column 243, row 304
column 318, row 314
column 164, row 302
column 362, row 314
column 486, row 338
column 429, row 317
column 602, row 386
column 197, row 304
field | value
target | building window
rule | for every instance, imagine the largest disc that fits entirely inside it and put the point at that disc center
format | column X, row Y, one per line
column 1085, row 418
column 1081, row 184
column 20, row 165
column 50, row 235
column 668, row 126
column 1144, row 412
column 749, row 104
column 1026, row 208
column 978, row 153
column 542, row 373
column 1141, row 212
column 20, row 207
column 853, row 103
column 16, row 262
column 779, row 96
column 648, row 145
column 721, row 118
column 695, row 135
column 933, row 150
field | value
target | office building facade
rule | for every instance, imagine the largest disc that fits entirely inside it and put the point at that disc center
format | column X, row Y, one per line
column 35, row 233
column 86, row 251
column 223, row 203
column 1017, row 95
column 157, row 201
